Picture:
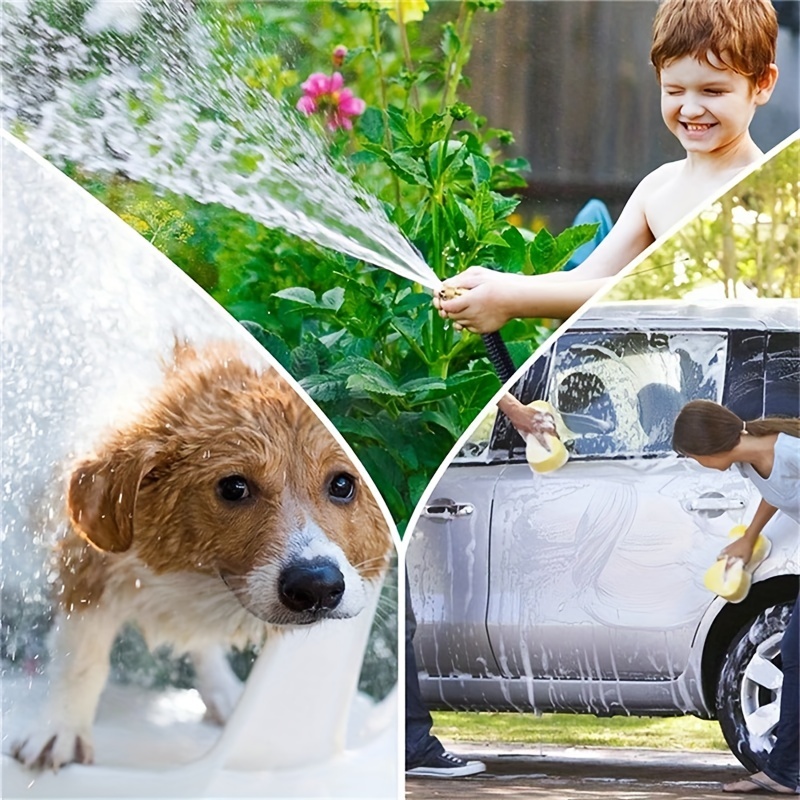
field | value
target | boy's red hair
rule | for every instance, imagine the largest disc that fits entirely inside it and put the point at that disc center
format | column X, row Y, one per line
column 741, row 34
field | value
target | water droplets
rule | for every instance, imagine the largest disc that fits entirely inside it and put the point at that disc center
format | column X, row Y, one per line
column 254, row 155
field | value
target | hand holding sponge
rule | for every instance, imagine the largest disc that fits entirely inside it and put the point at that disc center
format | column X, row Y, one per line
column 540, row 458
column 731, row 578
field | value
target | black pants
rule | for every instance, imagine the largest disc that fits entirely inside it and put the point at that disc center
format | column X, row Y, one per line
column 420, row 743
column 783, row 763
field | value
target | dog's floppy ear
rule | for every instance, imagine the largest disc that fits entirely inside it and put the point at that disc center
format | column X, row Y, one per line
column 102, row 496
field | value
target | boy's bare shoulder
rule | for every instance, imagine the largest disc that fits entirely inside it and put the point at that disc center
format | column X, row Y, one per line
column 660, row 177
column 668, row 194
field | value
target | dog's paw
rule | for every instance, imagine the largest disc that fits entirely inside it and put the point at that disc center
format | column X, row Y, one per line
column 49, row 749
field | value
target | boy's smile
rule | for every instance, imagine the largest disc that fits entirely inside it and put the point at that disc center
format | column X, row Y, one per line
column 708, row 106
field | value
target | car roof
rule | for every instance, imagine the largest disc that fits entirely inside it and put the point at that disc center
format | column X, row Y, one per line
column 781, row 315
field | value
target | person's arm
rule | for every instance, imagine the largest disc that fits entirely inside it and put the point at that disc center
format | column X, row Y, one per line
column 744, row 545
column 528, row 420
column 495, row 297
column 490, row 303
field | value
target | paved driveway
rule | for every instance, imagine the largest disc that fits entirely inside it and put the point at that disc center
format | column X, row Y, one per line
column 585, row 773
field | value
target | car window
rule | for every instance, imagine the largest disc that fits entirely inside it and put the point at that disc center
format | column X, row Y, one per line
column 782, row 375
column 744, row 385
column 619, row 393
column 475, row 448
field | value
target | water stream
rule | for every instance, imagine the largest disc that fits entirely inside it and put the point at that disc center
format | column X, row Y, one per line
column 180, row 118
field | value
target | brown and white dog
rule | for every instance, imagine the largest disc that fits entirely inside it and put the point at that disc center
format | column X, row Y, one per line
column 224, row 509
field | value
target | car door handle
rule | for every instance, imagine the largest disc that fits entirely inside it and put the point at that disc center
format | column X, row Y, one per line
column 715, row 504
column 444, row 509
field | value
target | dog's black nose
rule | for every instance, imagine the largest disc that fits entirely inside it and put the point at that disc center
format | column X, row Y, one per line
column 311, row 586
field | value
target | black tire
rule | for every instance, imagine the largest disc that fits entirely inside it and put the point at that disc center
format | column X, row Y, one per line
column 748, row 687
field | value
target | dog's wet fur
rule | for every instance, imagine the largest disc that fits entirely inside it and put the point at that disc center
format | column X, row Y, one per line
column 225, row 509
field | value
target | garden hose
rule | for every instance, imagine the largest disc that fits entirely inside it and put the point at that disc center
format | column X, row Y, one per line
column 499, row 356
column 496, row 349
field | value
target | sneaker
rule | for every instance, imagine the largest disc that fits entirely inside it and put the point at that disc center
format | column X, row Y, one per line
column 446, row 765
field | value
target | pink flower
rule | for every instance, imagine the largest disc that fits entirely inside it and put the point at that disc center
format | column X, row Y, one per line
column 324, row 94
column 339, row 54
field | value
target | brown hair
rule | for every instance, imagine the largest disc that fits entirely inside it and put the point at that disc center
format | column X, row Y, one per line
column 705, row 428
column 741, row 34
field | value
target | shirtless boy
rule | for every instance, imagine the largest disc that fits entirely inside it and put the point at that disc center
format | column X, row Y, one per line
column 714, row 60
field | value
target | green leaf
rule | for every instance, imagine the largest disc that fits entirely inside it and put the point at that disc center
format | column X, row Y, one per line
column 409, row 168
column 305, row 361
column 298, row 294
column 371, row 125
column 448, row 420
column 399, row 127
column 504, row 181
column 456, row 162
column 411, row 328
column 324, row 388
column 333, row 298
column 503, row 206
column 374, row 380
column 462, row 215
column 365, row 375
column 424, row 385
column 542, row 252
column 274, row 345
column 432, row 128
column 450, row 43
column 568, row 241
column 382, row 465
column 460, row 220
column 331, row 339
column 548, row 254
column 517, row 165
column 363, row 428
column 481, row 169
column 512, row 258
column 493, row 237
column 461, row 380
column 346, row 366
column 411, row 301
column 483, row 208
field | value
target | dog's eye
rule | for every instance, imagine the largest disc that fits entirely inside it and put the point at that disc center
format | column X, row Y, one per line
column 233, row 488
column 342, row 488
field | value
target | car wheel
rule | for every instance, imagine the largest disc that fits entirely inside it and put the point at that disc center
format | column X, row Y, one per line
column 749, row 687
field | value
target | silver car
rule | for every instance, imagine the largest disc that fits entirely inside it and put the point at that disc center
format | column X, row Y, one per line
column 582, row 590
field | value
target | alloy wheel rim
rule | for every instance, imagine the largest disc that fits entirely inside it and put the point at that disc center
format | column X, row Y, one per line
column 760, row 694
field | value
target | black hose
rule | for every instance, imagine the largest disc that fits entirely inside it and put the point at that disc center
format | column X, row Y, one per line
column 499, row 356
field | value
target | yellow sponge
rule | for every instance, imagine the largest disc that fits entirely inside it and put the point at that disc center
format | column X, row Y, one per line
column 731, row 578
column 728, row 579
column 540, row 458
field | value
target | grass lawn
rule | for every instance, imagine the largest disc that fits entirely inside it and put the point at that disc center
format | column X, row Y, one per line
column 676, row 733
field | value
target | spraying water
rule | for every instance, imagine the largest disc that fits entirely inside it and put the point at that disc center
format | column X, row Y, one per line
column 185, row 121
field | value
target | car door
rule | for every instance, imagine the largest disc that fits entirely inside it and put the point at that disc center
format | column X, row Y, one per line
column 596, row 569
column 447, row 565
column 447, row 561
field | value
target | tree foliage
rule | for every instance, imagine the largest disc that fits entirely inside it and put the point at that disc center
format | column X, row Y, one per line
column 746, row 243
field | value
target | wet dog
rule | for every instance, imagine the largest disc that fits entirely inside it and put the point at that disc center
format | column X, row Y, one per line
column 224, row 510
